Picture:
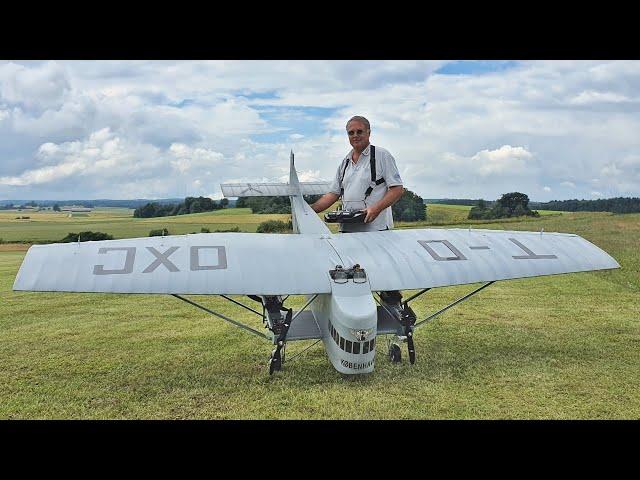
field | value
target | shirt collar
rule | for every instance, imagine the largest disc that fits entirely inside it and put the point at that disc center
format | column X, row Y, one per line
column 365, row 152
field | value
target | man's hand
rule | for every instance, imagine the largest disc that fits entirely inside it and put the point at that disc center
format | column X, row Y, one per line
column 372, row 213
column 324, row 202
column 392, row 196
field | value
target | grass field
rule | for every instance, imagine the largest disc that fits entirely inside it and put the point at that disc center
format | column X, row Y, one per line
column 49, row 226
column 444, row 215
column 554, row 347
column 119, row 222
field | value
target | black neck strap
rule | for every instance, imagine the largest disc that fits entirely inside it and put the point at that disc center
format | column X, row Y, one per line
column 372, row 163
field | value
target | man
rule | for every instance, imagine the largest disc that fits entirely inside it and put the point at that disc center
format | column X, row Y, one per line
column 359, row 191
column 353, row 182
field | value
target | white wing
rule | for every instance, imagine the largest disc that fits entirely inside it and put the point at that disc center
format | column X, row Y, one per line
column 271, row 264
column 272, row 189
column 208, row 263
column 422, row 258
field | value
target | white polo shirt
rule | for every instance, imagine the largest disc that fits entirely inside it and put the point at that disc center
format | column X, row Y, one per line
column 357, row 179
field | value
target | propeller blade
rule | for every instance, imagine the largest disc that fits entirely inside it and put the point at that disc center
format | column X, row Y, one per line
column 410, row 347
column 408, row 320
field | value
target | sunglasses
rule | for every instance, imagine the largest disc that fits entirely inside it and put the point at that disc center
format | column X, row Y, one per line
column 351, row 133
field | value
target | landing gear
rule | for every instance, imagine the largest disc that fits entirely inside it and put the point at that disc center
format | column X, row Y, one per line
column 277, row 356
column 274, row 317
column 279, row 325
column 277, row 319
column 395, row 355
column 406, row 317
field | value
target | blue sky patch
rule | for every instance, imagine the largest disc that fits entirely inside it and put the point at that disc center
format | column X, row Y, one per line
column 184, row 103
column 307, row 121
column 470, row 67
column 250, row 95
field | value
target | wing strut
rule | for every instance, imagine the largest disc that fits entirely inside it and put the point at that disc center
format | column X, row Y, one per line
column 406, row 318
column 452, row 304
column 237, row 324
column 406, row 302
column 244, row 306
column 275, row 363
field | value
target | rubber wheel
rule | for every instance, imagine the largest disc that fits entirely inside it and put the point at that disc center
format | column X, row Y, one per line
column 394, row 353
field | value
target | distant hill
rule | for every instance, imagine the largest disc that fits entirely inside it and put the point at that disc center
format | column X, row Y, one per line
column 453, row 201
column 615, row 205
column 102, row 202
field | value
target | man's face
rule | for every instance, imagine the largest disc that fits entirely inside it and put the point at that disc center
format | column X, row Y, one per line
column 358, row 135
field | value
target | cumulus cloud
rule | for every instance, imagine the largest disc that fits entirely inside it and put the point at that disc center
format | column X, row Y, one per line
column 187, row 158
column 622, row 174
column 505, row 160
column 303, row 176
column 590, row 97
column 103, row 154
column 39, row 88
column 154, row 127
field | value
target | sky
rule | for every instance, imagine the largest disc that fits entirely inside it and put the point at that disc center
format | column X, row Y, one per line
column 93, row 129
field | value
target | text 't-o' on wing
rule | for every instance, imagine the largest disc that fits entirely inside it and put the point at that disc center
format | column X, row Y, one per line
column 425, row 258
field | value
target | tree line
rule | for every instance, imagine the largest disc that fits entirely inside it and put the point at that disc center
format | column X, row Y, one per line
column 409, row 208
column 514, row 204
column 271, row 204
column 190, row 205
column 455, row 201
column 615, row 205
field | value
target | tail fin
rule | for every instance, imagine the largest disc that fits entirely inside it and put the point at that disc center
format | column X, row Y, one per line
column 294, row 187
column 293, row 177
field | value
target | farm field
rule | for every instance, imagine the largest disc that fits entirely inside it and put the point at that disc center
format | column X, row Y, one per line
column 443, row 215
column 49, row 226
column 556, row 347
column 119, row 222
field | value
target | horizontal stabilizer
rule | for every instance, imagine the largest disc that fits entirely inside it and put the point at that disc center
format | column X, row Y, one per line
column 272, row 189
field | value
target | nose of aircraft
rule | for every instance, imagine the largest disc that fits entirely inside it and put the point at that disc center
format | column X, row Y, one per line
column 352, row 306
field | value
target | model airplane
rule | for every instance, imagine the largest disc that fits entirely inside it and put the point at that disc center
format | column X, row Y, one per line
column 338, row 273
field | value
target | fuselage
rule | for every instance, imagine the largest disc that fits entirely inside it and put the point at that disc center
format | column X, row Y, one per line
column 347, row 316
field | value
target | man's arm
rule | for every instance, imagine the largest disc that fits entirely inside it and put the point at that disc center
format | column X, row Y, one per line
column 325, row 202
column 392, row 196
